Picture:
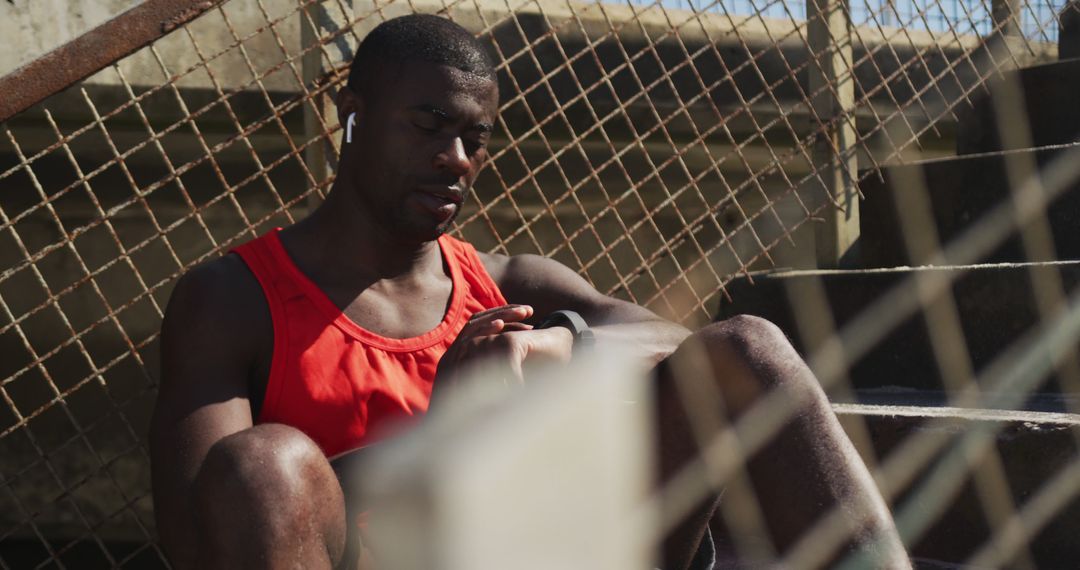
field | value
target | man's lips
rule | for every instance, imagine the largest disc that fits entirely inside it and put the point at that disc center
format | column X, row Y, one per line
column 452, row 194
column 442, row 201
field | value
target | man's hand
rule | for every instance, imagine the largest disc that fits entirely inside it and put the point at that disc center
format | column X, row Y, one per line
column 501, row 337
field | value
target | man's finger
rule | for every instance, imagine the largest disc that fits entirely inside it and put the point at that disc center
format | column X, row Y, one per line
column 493, row 320
column 496, row 326
column 482, row 327
column 486, row 327
column 505, row 312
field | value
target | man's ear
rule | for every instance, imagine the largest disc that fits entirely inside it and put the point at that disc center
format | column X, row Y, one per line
column 348, row 102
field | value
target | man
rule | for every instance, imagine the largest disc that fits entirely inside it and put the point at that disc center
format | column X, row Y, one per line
column 305, row 343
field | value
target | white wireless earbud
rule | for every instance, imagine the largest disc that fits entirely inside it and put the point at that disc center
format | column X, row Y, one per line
column 348, row 127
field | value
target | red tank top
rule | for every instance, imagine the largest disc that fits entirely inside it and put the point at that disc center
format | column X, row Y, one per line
column 336, row 381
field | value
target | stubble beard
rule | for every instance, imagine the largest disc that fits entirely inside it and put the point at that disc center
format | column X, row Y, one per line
column 408, row 226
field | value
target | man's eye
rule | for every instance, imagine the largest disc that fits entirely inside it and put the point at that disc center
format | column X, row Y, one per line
column 474, row 146
column 426, row 127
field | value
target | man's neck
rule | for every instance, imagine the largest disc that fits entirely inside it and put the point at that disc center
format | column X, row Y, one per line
column 342, row 244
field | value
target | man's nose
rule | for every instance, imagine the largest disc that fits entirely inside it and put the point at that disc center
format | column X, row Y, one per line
column 453, row 158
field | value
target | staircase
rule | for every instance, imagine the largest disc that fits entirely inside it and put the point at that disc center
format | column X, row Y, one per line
column 951, row 369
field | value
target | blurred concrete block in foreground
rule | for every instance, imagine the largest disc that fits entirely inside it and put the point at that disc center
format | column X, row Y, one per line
column 555, row 475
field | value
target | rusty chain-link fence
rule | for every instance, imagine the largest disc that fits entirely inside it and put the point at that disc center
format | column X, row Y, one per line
column 661, row 149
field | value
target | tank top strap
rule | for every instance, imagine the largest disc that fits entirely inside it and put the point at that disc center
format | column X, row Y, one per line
column 259, row 256
column 473, row 271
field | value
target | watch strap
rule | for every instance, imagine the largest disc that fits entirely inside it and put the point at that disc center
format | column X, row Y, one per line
column 575, row 323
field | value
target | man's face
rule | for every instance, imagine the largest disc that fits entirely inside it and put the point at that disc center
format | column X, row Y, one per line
column 418, row 145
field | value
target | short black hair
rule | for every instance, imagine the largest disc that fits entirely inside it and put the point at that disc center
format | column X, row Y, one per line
column 418, row 37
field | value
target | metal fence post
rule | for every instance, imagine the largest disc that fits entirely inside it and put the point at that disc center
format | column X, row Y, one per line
column 316, row 21
column 832, row 87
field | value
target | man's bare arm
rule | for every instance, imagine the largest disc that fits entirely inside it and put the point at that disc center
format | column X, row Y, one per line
column 548, row 286
column 209, row 342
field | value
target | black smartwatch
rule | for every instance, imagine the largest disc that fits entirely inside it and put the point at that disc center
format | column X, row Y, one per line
column 583, row 335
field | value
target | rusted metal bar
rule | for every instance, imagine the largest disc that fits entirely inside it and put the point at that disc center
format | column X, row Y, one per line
column 93, row 51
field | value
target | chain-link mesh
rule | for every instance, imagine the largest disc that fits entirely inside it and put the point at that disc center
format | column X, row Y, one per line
column 661, row 149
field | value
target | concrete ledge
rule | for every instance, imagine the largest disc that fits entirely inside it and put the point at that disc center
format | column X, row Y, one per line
column 1051, row 420
column 1033, row 448
column 995, row 305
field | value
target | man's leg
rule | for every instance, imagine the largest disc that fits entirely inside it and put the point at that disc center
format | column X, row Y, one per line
column 266, row 497
column 801, row 473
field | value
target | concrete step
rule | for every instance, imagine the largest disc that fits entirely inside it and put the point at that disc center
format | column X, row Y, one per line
column 960, row 191
column 1038, row 457
column 1051, row 92
column 995, row 304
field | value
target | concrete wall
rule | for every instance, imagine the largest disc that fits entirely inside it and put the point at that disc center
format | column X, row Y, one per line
column 34, row 27
column 37, row 26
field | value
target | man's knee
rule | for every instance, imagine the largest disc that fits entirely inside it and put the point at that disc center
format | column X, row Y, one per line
column 745, row 341
column 748, row 357
column 271, row 481
column 748, row 337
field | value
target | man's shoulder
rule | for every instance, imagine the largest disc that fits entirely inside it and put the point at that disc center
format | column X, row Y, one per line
column 226, row 278
column 514, row 267
column 528, row 277
column 494, row 263
column 221, row 293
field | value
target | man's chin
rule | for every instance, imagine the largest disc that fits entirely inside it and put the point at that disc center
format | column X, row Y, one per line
column 423, row 235
column 445, row 226
column 418, row 231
